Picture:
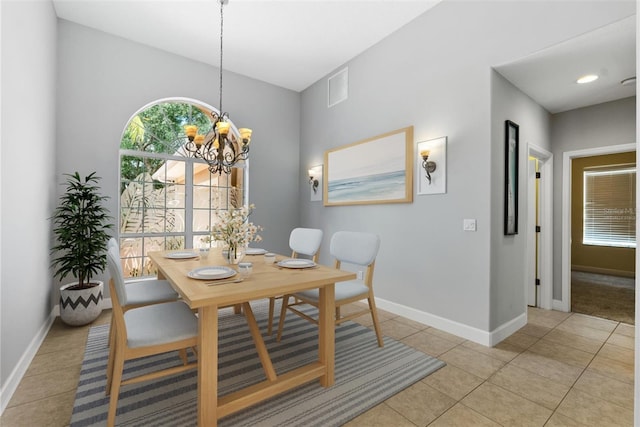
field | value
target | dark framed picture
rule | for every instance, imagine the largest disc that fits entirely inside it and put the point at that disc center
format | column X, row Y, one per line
column 511, row 145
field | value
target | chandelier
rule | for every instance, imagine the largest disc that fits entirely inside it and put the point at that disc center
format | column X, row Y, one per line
column 221, row 148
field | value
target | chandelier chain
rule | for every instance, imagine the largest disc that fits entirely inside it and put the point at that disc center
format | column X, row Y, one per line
column 225, row 146
column 221, row 33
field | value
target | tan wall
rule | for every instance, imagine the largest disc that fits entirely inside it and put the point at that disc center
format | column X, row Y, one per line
column 597, row 259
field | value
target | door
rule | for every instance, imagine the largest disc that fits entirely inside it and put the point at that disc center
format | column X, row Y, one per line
column 532, row 237
column 539, row 254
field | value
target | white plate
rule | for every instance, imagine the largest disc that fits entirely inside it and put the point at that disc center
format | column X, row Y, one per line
column 255, row 251
column 212, row 273
column 296, row 263
column 181, row 255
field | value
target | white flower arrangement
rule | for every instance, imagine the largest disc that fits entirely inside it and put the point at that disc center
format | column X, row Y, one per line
column 234, row 228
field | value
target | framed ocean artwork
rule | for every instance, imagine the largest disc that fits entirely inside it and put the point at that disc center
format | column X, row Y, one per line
column 376, row 170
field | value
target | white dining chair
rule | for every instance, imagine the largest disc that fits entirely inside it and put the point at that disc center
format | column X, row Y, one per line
column 144, row 331
column 141, row 292
column 359, row 250
column 302, row 242
column 144, row 291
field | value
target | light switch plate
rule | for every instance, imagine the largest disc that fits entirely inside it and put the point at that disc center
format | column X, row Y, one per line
column 469, row 225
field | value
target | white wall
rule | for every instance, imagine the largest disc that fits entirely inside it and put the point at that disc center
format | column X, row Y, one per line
column 27, row 175
column 435, row 74
column 103, row 80
column 610, row 123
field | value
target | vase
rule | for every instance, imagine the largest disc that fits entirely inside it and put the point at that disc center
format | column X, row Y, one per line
column 234, row 255
column 80, row 306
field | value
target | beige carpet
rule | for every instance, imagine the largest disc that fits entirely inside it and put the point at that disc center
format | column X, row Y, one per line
column 603, row 296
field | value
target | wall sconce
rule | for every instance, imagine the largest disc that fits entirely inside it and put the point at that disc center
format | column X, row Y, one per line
column 313, row 182
column 428, row 165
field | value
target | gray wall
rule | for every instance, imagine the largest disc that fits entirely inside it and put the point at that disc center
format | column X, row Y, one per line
column 103, row 80
column 27, row 174
column 435, row 74
column 610, row 123
column 71, row 117
column 508, row 253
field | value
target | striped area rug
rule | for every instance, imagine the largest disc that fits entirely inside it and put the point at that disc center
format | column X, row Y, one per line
column 365, row 376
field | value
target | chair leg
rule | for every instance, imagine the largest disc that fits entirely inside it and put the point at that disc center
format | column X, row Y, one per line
column 237, row 309
column 283, row 313
column 112, row 327
column 183, row 356
column 115, row 387
column 374, row 316
column 112, row 351
column 272, row 306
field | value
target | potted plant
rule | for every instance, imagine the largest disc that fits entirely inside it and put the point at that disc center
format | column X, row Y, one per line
column 80, row 224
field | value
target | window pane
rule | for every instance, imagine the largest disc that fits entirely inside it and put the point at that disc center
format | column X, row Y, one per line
column 173, row 243
column 131, row 254
column 202, row 220
column 175, row 220
column 130, row 220
column 609, row 207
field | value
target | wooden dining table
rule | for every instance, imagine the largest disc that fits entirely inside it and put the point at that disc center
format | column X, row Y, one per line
column 266, row 280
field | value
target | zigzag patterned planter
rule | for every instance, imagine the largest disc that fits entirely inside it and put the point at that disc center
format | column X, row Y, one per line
column 80, row 307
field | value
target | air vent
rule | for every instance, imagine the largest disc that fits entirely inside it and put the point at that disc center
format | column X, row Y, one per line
column 338, row 87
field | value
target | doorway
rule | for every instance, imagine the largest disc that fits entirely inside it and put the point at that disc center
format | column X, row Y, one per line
column 565, row 303
column 603, row 236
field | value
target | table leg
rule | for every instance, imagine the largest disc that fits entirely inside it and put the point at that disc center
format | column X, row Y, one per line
column 263, row 354
column 208, row 366
column 326, row 334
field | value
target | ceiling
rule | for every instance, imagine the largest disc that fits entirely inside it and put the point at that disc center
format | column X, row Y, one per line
column 289, row 44
column 549, row 76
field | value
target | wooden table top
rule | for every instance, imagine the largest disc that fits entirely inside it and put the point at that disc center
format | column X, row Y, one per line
column 265, row 281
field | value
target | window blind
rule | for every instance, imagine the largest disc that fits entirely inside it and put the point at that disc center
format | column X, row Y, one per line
column 610, row 207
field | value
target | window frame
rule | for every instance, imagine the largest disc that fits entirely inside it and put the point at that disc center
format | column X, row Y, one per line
column 589, row 235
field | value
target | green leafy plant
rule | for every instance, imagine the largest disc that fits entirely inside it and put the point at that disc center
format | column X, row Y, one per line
column 80, row 224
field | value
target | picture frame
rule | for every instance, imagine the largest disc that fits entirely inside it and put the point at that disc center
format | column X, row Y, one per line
column 372, row 171
column 511, row 170
column 431, row 175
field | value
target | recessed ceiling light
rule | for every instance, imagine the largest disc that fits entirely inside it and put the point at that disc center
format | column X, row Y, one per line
column 587, row 79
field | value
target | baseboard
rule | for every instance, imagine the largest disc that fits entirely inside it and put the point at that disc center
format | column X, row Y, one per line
column 11, row 385
column 506, row 329
column 476, row 335
column 607, row 271
column 559, row 305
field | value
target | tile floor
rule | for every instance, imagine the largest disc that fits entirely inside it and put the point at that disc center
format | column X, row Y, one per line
column 561, row 369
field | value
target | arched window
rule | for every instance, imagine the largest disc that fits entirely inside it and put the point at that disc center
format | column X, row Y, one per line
column 167, row 197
